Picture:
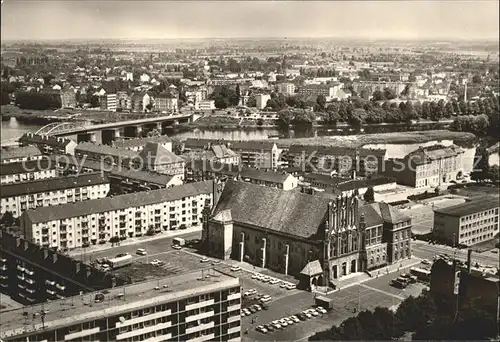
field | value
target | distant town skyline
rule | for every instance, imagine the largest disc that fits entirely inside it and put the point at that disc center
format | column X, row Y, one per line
column 408, row 20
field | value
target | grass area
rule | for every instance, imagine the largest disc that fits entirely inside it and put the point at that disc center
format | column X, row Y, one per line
column 414, row 137
column 138, row 272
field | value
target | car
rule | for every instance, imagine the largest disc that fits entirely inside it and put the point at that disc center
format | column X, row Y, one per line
column 266, row 298
column 257, row 307
column 204, row 259
column 320, row 309
column 243, row 314
column 261, row 329
column 283, row 322
column 269, row 327
column 246, row 311
column 177, row 247
column 216, row 262
column 255, row 276
column 289, row 321
column 301, row 316
column 250, row 292
column 155, row 262
column 274, row 281
column 313, row 312
column 396, row 283
column 265, row 279
column 141, row 251
column 410, row 278
column 253, row 310
column 291, row 286
column 283, row 285
column 295, row 319
column 235, row 268
column 307, row 314
column 276, row 324
column 426, row 262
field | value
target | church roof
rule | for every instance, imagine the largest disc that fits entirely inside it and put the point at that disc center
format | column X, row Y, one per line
column 312, row 268
column 288, row 212
column 223, row 216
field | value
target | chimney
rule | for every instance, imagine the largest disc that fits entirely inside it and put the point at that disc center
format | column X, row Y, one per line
column 469, row 254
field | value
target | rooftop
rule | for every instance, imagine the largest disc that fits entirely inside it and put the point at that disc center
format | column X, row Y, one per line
column 156, row 154
column 26, row 167
column 140, row 142
column 251, row 145
column 117, row 300
column 472, row 207
column 63, row 211
column 44, row 139
column 86, row 147
column 19, row 152
column 52, row 184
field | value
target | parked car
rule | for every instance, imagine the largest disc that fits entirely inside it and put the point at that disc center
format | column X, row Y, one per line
column 283, row 322
column 294, row 319
column 320, row 309
column 288, row 320
column 255, row 276
column 269, row 327
column 177, row 247
column 235, row 268
column 204, row 259
column 261, row 329
column 283, row 285
column 276, row 324
column 411, row 278
column 257, row 307
column 396, row 283
column 301, row 316
column 274, row 281
column 250, row 292
column 291, row 286
column 266, row 298
column 426, row 262
column 141, row 251
column 265, row 279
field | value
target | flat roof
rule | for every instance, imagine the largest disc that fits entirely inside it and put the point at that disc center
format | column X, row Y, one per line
column 117, row 300
column 472, row 207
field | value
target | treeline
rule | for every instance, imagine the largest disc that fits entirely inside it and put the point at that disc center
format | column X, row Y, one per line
column 36, row 100
column 424, row 317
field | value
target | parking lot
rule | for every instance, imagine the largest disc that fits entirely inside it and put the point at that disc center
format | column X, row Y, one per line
column 346, row 302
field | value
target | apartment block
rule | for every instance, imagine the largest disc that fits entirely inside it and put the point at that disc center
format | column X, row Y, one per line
column 264, row 155
column 287, row 89
column 30, row 274
column 188, row 307
column 137, row 144
column 19, row 197
column 48, row 144
column 124, row 216
column 19, row 154
column 468, row 223
column 165, row 103
column 205, row 105
column 108, row 102
column 104, row 153
column 27, row 171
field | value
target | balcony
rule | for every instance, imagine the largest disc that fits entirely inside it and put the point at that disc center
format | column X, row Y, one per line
column 20, row 268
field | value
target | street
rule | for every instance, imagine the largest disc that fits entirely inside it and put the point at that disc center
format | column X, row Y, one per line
column 424, row 250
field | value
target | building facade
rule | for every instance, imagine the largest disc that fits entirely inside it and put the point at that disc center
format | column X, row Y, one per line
column 165, row 103
column 427, row 166
column 155, row 157
column 19, row 197
column 190, row 310
column 287, row 89
column 137, row 144
column 27, row 171
column 467, row 223
column 206, row 105
column 104, row 153
column 48, row 144
column 257, row 154
column 108, row 102
column 30, row 274
column 124, row 216
column 342, row 235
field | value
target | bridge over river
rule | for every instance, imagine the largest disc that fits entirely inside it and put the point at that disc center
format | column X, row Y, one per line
column 111, row 131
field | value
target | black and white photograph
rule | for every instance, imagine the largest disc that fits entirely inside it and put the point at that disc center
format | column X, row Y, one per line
column 249, row 170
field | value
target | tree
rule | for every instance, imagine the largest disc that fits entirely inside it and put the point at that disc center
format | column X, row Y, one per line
column 476, row 79
column 321, row 101
column 369, row 195
column 377, row 95
column 40, row 101
column 285, row 117
column 47, row 79
column 7, row 219
column 221, row 103
column 389, row 94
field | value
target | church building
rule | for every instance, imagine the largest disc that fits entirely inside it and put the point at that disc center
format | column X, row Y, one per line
column 318, row 238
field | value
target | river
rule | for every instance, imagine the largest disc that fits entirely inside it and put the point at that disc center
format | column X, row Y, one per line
column 13, row 129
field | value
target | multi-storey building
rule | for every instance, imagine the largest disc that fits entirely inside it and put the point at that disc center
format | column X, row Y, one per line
column 204, row 149
column 104, row 153
column 287, row 89
column 329, row 91
column 123, row 216
column 48, row 144
column 261, row 100
column 27, row 171
column 165, row 103
column 108, row 102
column 188, row 307
column 427, row 166
column 19, row 197
column 155, row 157
column 204, row 169
column 468, row 223
column 122, row 180
column 264, row 155
column 138, row 144
column 66, row 96
column 123, row 100
column 318, row 238
column 30, row 274
column 205, row 105
column 336, row 160
column 140, row 102
column 19, row 154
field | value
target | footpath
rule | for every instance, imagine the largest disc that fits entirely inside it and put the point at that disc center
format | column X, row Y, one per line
column 133, row 241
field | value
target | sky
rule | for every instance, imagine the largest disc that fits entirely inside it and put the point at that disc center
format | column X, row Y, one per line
column 137, row 19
